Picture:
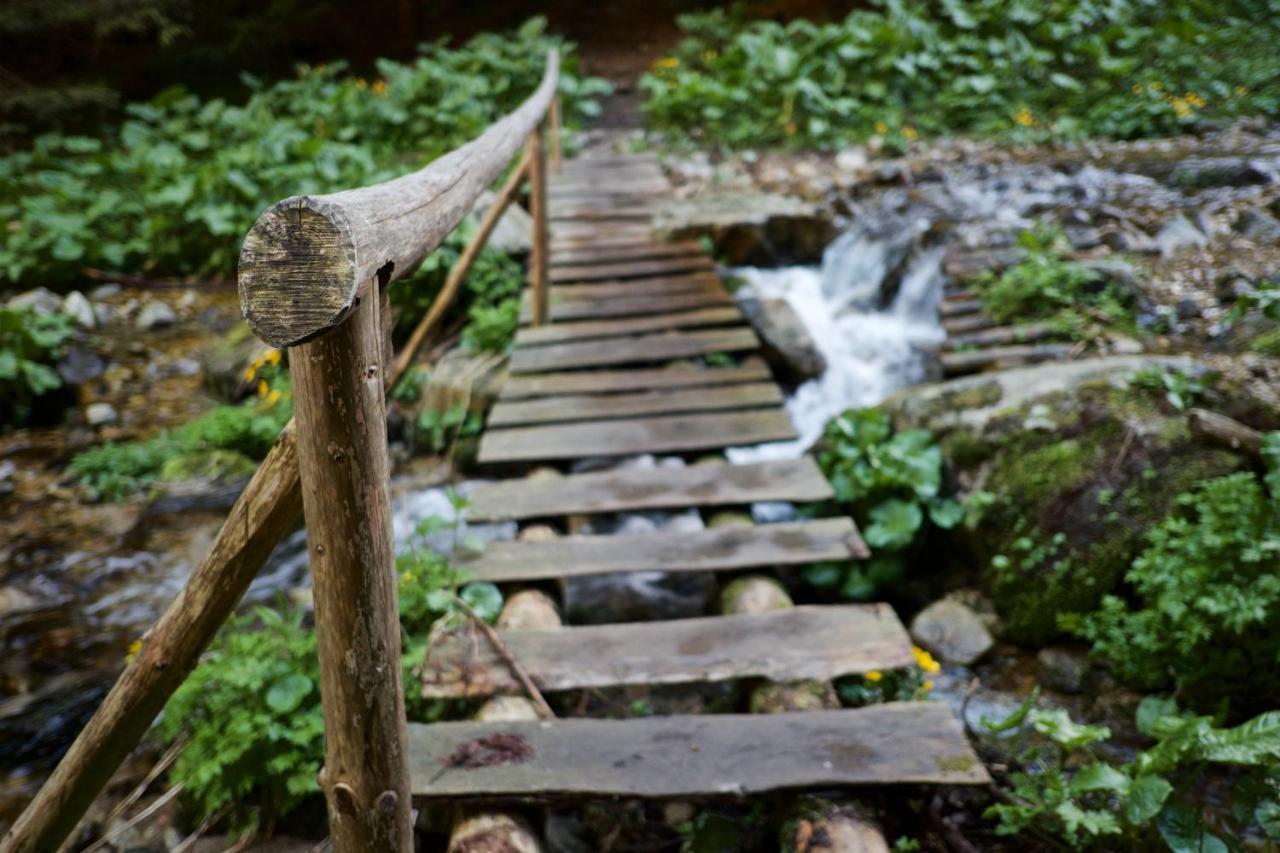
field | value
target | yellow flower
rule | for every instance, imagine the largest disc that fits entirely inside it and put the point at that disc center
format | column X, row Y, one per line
column 1137, row 88
column 263, row 387
column 910, row 133
column 362, row 84
column 273, row 356
column 1242, row 90
column 1181, row 107
column 873, row 676
column 379, row 87
column 668, row 62
column 708, row 56
column 925, row 661
column 1195, row 100
column 134, row 648
column 790, row 129
column 1025, row 118
column 927, row 686
column 408, row 577
column 881, row 127
column 249, row 373
column 273, row 397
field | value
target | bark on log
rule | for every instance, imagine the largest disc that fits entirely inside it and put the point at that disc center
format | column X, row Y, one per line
column 1221, row 430
column 307, row 259
column 346, row 473
column 458, row 272
column 538, row 273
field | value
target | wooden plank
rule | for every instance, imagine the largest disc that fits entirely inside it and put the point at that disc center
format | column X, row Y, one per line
column 715, row 549
column 601, row 213
column 1000, row 335
column 562, row 272
column 955, row 363
column 593, row 231
column 797, row 480
column 597, row 329
column 727, row 755
column 612, row 381
column 970, row 323
column 599, row 309
column 780, row 645
column 626, row 252
column 635, row 350
column 656, row 287
column 593, row 407
column 662, row 434
column 959, row 307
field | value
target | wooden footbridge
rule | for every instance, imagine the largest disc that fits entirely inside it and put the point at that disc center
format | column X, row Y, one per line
column 614, row 358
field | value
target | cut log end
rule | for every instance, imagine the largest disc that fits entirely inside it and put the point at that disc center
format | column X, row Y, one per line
column 298, row 271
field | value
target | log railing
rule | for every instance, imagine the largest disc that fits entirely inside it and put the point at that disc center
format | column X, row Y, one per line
column 313, row 273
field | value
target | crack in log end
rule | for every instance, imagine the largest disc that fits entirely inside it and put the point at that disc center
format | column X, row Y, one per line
column 488, row 751
column 297, row 274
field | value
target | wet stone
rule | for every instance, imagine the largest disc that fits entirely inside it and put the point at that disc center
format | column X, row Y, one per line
column 952, row 631
column 1063, row 668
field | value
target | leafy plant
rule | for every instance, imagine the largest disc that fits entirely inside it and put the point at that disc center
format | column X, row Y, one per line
column 1206, row 598
column 898, row 685
column 1181, row 390
column 1069, row 795
column 1024, row 70
column 890, row 482
column 437, row 429
column 221, row 444
column 251, row 710
column 30, row 344
column 1075, row 302
column 175, row 187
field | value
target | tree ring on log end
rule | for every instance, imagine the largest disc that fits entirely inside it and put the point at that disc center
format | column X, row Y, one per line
column 298, row 274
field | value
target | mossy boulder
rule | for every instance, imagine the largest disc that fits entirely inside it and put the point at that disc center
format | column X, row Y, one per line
column 1075, row 464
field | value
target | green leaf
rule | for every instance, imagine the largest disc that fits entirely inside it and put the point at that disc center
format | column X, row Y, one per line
column 1015, row 719
column 1099, row 776
column 1147, row 795
column 1092, row 821
column 286, row 695
column 893, row 524
column 1058, row 726
column 946, row 512
column 485, row 599
column 1184, row 831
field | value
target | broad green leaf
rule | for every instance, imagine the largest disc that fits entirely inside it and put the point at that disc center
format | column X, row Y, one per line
column 286, row 695
column 1058, row 726
column 946, row 512
column 485, row 599
column 893, row 524
column 1147, row 795
column 1015, row 719
column 1099, row 776
column 1184, row 831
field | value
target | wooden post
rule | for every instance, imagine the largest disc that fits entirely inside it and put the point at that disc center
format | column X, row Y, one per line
column 538, row 207
column 345, row 472
column 555, row 134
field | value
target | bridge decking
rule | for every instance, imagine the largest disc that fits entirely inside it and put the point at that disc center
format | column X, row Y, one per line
column 646, row 352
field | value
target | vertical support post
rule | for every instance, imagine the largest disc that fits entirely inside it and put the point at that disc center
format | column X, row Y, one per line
column 555, row 134
column 538, row 205
column 342, row 458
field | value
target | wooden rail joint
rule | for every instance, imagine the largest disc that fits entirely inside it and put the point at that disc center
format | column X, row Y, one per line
column 309, row 260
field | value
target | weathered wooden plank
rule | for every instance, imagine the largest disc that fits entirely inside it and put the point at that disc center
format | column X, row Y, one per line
column 595, row 242
column 635, row 350
column 601, row 213
column 729, row 755
column 625, row 252
column 656, row 286
column 1000, row 335
column 592, row 231
column 662, row 434
column 614, row 270
column 780, row 645
column 715, row 549
column 588, row 309
column 954, row 363
column 593, row 407
column 970, row 323
column 613, row 381
column 597, row 329
column 961, row 306
column 796, row 480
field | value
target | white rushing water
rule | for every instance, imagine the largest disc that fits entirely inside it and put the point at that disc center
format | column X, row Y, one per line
column 871, row 349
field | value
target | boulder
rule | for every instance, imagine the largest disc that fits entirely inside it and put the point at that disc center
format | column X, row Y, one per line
column 749, row 229
column 100, row 414
column 1078, row 462
column 79, row 366
column 1177, row 234
column 41, row 300
column 787, row 343
column 155, row 315
column 77, row 305
column 952, row 631
column 1258, row 226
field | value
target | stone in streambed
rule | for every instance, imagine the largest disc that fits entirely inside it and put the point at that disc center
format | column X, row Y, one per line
column 787, row 343
column 1063, row 668
column 952, row 631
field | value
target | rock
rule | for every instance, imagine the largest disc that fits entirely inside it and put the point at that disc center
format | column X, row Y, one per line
column 1082, row 237
column 1187, row 309
column 1062, row 668
column 529, row 609
column 1177, row 234
column 1258, row 226
column 1072, row 498
column 852, row 160
column 100, row 414
column 41, row 300
column 754, row 594
column 79, row 366
column 1199, row 173
column 787, row 343
column 155, row 315
column 7, row 485
column 105, row 291
column 730, row 518
column 1120, row 273
column 755, row 229
column 12, row 599
column 952, row 631
column 537, row 533
column 80, row 309
column 514, row 232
